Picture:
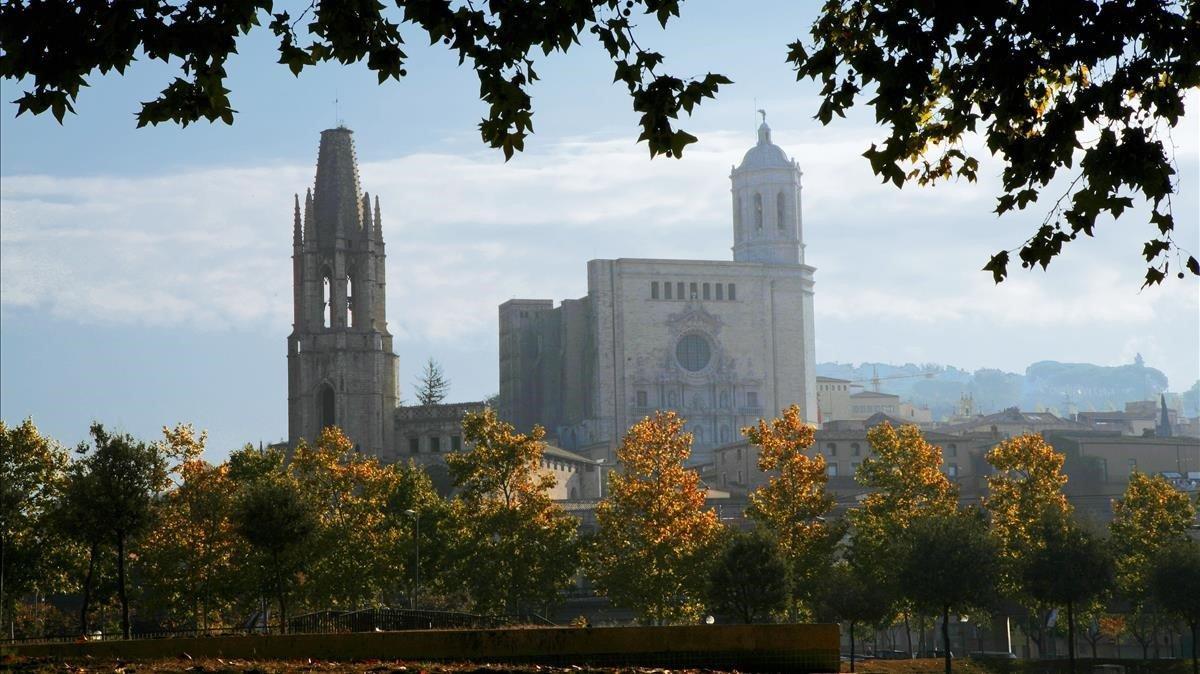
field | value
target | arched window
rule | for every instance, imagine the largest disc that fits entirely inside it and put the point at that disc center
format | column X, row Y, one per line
column 326, row 296
column 724, row 433
column 724, row 399
column 780, row 211
column 831, row 448
column 758, row 211
column 737, row 210
column 327, row 407
column 855, row 450
column 349, row 301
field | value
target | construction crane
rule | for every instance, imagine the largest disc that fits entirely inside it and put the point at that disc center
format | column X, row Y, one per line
column 875, row 378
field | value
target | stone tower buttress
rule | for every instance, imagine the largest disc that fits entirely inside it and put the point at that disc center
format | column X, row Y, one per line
column 341, row 366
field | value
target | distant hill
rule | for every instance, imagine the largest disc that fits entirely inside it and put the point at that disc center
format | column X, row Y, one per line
column 1047, row 385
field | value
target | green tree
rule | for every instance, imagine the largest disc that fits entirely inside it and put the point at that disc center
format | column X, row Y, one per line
column 850, row 596
column 126, row 476
column 432, row 386
column 77, row 518
column 414, row 508
column 279, row 524
column 1175, row 585
column 793, row 503
column 501, row 42
column 947, row 561
column 32, row 477
column 656, row 538
column 751, row 579
column 1149, row 517
column 515, row 548
column 1056, row 85
column 1072, row 568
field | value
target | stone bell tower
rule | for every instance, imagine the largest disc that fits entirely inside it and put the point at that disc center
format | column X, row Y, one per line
column 341, row 367
column 766, row 204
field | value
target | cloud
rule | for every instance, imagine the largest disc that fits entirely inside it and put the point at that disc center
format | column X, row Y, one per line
column 210, row 248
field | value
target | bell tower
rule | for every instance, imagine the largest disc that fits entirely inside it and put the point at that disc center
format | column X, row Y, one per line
column 766, row 204
column 341, row 367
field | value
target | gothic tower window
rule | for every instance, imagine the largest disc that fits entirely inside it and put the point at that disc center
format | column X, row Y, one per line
column 326, row 296
column 781, row 210
column 758, row 211
column 328, row 411
column 349, row 301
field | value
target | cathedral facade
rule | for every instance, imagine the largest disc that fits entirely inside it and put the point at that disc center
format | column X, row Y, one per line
column 342, row 370
column 723, row 343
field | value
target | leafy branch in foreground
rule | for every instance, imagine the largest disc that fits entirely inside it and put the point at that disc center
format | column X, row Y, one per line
column 1054, row 84
column 56, row 45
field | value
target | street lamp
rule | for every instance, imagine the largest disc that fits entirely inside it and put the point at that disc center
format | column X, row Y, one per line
column 412, row 597
column 599, row 479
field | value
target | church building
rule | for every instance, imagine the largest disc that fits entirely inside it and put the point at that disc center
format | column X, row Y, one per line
column 723, row 343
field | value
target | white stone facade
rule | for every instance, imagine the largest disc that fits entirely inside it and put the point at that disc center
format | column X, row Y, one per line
column 722, row 343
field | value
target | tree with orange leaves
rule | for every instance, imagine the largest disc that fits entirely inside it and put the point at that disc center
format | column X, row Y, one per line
column 656, row 538
column 793, row 503
column 514, row 549
column 188, row 558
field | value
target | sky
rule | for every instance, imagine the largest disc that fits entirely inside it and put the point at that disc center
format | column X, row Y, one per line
column 145, row 273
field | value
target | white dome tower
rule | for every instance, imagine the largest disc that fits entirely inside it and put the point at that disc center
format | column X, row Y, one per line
column 766, row 204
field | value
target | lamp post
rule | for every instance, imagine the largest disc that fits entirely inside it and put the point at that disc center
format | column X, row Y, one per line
column 599, row 479
column 412, row 597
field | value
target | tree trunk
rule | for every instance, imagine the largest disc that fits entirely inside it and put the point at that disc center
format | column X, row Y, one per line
column 1195, row 663
column 282, row 612
column 121, row 586
column 908, row 634
column 1071, row 634
column 946, row 635
column 851, row 645
column 87, row 590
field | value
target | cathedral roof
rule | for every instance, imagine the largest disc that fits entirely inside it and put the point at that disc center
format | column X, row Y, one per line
column 764, row 155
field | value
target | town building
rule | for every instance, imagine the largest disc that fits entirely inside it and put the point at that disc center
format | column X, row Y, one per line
column 723, row 343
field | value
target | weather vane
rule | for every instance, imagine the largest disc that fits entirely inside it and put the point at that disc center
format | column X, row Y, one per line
column 764, row 115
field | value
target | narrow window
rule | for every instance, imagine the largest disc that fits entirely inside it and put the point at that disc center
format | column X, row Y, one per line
column 732, row 292
column 831, row 470
column 952, row 470
column 349, row 301
column 780, row 210
column 737, row 211
column 724, row 434
column 455, row 443
column 724, row 399
column 667, row 289
column 831, row 448
column 414, row 445
column 707, row 291
column 692, row 291
column 751, row 398
column 654, row 290
column 739, row 477
column 641, row 398
column 720, row 291
column 435, row 444
column 326, row 297
column 328, row 407
column 679, row 291
column 758, row 211
column 952, row 449
column 855, row 450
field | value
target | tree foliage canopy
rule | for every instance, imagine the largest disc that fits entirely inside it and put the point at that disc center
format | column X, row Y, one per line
column 751, row 580
column 58, row 44
column 1080, row 87
column 1150, row 516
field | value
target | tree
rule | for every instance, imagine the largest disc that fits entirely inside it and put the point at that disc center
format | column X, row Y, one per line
column 793, row 503
column 1056, row 84
column 515, row 548
column 77, row 518
column 500, row 42
column 279, row 523
column 1024, row 491
column 432, row 386
column 32, row 476
column 348, row 491
column 125, row 476
column 413, row 508
column 848, row 595
column 947, row 561
column 1072, row 569
column 751, row 579
column 1149, row 517
column 656, row 537
column 906, row 482
column 1175, row 585
column 188, row 557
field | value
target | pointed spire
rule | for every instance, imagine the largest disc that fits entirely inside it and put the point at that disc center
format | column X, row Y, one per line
column 308, row 215
column 366, row 212
column 378, row 220
column 336, row 197
column 1164, row 421
column 296, row 236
